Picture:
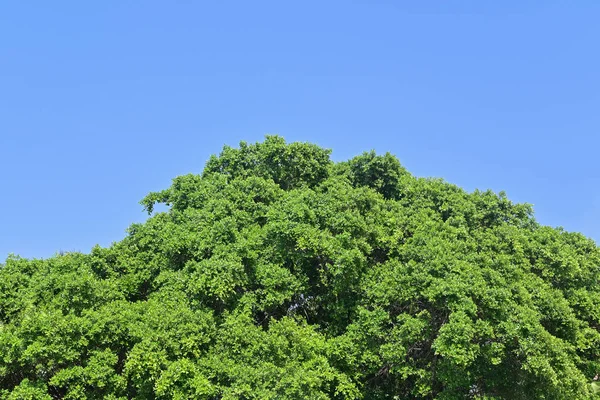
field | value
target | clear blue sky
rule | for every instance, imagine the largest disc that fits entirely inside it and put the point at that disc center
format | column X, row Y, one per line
column 102, row 102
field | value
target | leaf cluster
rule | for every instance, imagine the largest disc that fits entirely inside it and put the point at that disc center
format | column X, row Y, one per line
column 279, row 274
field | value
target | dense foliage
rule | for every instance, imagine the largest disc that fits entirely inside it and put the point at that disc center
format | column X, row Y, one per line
column 278, row 274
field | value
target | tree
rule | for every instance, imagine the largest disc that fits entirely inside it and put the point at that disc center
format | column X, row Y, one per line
column 278, row 274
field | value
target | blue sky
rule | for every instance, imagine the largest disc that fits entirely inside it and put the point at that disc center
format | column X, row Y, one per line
column 102, row 102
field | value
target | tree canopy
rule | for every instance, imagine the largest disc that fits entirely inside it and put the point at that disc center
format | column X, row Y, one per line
column 279, row 274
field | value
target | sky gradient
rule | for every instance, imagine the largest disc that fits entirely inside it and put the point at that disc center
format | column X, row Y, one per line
column 103, row 102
